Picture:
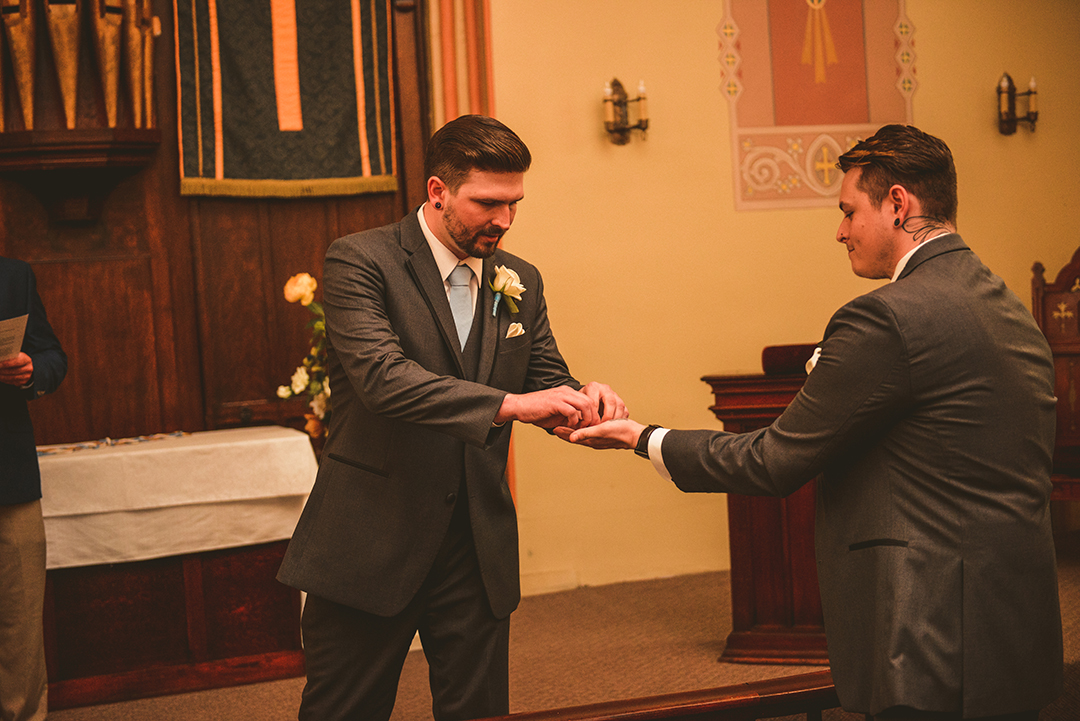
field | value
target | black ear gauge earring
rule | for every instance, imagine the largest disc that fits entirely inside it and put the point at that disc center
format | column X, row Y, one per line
column 438, row 206
column 896, row 221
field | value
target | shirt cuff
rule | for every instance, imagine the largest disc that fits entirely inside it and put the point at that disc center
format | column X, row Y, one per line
column 656, row 454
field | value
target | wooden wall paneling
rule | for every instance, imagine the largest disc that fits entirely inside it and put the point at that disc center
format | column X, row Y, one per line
column 101, row 310
column 300, row 231
column 413, row 104
column 228, row 240
column 377, row 210
column 168, row 234
column 121, row 285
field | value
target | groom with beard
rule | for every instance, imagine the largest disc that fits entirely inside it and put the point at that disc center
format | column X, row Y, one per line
column 438, row 340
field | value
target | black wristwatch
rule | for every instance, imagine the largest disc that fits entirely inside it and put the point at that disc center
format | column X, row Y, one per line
column 642, row 448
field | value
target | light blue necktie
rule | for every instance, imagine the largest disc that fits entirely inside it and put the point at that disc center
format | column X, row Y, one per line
column 461, row 301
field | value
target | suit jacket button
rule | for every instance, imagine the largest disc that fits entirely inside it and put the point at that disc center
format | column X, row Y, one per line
column 450, row 498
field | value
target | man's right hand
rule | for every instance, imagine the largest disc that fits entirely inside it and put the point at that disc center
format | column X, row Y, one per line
column 549, row 408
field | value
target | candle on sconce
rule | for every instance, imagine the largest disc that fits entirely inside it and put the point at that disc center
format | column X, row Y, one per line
column 643, row 104
column 1032, row 107
column 1003, row 95
column 609, row 106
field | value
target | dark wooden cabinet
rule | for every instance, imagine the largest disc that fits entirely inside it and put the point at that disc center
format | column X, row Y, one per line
column 166, row 625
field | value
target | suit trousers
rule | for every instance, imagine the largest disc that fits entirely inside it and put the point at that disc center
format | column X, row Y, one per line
column 23, row 681
column 354, row 659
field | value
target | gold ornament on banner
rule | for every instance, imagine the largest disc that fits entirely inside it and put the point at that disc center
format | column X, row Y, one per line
column 19, row 25
column 138, row 31
column 818, row 45
column 108, row 16
column 150, row 26
column 62, row 19
column 133, row 47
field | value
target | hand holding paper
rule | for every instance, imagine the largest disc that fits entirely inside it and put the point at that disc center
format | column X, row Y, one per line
column 17, row 371
column 11, row 336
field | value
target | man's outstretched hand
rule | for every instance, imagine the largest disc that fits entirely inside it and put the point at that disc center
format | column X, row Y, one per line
column 620, row 433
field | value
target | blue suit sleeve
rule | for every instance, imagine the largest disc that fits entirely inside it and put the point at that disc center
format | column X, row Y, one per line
column 43, row 347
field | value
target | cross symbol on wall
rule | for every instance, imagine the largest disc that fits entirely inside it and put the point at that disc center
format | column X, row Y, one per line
column 825, row 166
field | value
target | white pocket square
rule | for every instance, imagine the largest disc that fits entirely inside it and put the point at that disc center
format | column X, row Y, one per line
column 515, row 330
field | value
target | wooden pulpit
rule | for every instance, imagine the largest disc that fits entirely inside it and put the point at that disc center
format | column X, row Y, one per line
column 1056, row 307
column 775, row 602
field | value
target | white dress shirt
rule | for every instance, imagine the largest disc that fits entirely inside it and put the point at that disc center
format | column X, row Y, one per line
column 447, row 261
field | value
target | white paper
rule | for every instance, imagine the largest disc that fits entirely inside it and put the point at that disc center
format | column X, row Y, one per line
column 11, row 336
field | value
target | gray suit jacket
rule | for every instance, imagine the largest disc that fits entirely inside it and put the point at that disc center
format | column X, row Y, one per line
column 406, row 427
column 930, row 417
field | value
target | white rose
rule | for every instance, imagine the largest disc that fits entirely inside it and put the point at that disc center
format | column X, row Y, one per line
column 300, row 380
column 507, row 282
column 284, row 392
column 318, row 405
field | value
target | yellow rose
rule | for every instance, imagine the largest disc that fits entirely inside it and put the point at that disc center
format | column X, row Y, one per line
column 301, row 287
column 507, row 282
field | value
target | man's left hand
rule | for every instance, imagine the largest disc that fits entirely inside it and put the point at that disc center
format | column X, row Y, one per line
column 620, row 433
column 17, row 371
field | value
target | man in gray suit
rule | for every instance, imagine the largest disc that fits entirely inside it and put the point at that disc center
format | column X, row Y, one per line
column 929, row 416
column 438, row 340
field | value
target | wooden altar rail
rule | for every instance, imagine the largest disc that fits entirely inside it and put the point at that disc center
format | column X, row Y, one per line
column 807, row 693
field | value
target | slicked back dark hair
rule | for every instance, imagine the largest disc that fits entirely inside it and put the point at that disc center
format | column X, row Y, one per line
column 906, row 156
column 474, row 142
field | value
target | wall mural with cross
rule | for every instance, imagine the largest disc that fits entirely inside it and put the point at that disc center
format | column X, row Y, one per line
column 805, row 80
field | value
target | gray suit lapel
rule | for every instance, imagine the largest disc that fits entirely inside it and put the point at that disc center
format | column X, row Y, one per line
column 489, row 325
column 425, row 271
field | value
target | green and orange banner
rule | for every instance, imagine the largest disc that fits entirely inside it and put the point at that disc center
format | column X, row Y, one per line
column 285, row 98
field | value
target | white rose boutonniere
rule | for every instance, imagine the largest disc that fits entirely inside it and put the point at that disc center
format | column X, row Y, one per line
column 507, row 283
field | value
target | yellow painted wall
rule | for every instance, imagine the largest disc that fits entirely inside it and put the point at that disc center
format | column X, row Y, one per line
column 653, row 279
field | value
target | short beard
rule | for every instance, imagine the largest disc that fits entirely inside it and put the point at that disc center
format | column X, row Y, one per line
column 468, row 243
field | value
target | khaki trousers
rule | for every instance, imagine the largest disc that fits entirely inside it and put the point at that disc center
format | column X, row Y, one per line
column 23, row 681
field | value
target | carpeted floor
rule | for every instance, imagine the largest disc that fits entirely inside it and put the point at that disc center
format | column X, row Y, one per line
column 584, row 646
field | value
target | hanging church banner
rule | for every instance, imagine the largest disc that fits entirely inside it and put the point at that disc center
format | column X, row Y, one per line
column 284, row 98
column 805, row 80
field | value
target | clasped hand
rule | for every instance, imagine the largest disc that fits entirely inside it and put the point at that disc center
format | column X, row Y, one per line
column 564, row 407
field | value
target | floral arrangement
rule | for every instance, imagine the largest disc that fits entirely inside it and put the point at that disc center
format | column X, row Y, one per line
column 311, row 376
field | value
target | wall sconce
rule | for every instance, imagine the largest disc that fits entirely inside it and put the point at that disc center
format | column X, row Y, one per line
column 616, row 112
column 1007, row 95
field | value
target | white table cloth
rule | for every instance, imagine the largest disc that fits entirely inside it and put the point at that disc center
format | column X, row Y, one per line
column 187, row 494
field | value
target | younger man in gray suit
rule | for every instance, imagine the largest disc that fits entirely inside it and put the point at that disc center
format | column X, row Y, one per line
column 438, row 339
column 930, row 417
